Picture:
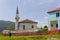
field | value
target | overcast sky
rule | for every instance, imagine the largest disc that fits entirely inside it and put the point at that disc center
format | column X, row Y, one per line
column 28, row 9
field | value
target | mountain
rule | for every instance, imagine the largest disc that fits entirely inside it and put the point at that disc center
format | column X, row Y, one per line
column 4, row 24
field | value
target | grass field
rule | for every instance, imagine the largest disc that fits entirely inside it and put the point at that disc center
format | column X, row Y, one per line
column 33, row 37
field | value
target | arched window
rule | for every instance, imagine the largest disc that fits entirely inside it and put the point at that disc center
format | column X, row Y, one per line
column 56, row 25
column 23, row 27
column 51, row 25
column 32, row 26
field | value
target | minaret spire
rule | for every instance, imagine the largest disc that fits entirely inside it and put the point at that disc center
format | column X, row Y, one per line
column 17, row 12
column 17, row 19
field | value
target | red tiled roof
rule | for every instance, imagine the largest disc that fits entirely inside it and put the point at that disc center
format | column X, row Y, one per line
column 27, row 21
column 57, row 9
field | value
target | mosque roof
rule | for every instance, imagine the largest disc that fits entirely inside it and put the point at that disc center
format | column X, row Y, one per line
column 27, row 21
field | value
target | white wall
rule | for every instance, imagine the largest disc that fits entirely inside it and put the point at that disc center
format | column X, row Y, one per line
column 28, row 26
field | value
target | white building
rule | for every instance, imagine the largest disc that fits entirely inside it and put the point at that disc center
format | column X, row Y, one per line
column 25, row 25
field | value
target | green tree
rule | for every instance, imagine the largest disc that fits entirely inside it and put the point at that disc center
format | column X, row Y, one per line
column 10, row 26
column 39, row 29
column 45, row 28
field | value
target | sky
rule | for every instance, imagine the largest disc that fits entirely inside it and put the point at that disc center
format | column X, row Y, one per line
column 28, row 9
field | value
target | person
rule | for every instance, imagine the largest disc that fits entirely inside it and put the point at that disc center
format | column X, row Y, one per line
column 10, row 34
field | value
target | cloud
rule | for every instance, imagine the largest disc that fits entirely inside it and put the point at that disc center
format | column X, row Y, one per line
column 36, row 2
column 40, row 23
column 46, row 17
column 2, row 2
column 58, row 3
column 36, row 20
column 44, row 25
column 50, row 1
column 46, row 1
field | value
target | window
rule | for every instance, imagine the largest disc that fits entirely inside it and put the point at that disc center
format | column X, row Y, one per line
column 51, row 25
column 32, row 26
column 57, row 14
column 56, row 25
column 23, row 27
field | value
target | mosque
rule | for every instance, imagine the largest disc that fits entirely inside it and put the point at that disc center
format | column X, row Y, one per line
column 24, row 25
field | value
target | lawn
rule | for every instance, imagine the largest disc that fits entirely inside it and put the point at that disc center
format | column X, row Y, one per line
column 33, row 37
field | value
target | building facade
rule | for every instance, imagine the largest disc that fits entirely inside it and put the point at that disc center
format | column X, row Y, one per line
column 28, row 26
column 54, row 19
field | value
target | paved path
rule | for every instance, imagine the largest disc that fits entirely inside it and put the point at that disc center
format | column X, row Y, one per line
column 52, row 39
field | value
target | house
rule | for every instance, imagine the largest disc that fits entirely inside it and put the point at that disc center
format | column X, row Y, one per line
column 54, row 19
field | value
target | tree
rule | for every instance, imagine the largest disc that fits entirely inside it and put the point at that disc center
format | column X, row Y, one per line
column 10, row 26
column 45, row 28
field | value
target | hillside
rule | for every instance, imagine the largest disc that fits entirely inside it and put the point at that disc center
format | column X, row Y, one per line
column 3, row 24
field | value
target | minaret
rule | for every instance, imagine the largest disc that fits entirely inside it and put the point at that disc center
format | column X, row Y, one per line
column 17, row 19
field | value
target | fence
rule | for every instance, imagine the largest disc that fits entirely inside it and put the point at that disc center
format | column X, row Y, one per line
column 37, row 33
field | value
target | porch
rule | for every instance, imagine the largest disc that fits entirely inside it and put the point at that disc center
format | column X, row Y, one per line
column 54, row 25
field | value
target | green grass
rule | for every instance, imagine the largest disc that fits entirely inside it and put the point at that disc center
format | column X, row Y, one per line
column 33, row 37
